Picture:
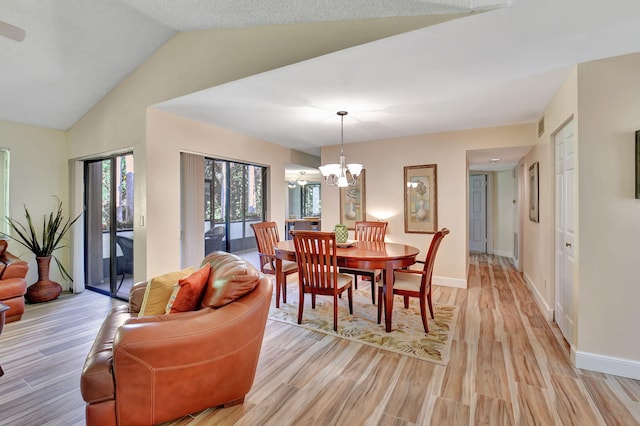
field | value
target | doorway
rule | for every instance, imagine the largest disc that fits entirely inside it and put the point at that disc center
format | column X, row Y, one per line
column 565, row 230
column 478, row 213
column 108, row 245
column 234, row 199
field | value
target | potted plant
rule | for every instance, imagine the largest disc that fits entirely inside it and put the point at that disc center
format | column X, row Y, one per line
column 54, row 229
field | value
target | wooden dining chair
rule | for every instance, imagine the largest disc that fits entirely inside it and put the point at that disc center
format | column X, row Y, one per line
column 267, row 237
column 415, row 283
column 368, row 231
column 318, row 270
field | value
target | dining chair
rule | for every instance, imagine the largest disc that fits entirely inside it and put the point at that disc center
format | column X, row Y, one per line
column 415, row 283
column 368, row 231
column 267, row 237
column 318, row 270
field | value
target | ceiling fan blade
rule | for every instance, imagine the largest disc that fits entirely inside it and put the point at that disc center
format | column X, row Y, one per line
column 11, row 31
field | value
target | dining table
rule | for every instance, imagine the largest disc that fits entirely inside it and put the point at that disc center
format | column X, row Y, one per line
column 360, row 255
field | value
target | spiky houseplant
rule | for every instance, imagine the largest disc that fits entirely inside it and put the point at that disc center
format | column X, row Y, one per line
column 54, row 229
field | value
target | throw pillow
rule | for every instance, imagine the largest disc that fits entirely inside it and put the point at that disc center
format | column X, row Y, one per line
column 159, row 290
column 188, row 292
column 231, row 277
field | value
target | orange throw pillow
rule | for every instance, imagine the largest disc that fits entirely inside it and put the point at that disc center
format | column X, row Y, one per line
column 186, row 297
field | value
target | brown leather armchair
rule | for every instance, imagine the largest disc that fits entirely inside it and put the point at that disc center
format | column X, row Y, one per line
column 151, row 369
column 13, row 285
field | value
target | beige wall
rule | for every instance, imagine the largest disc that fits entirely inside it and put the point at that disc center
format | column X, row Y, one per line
column 384, row 161
column 192, row 61
column 168, row 135
column 601, row 97
column 609, row 217
column 38, row 171
column 538, row 262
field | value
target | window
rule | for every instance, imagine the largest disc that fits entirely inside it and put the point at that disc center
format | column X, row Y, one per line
column 310, row 199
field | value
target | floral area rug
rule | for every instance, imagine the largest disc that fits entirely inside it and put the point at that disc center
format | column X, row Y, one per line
column 407, row 336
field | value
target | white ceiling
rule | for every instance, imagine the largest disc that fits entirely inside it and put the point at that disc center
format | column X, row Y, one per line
column 494, row 68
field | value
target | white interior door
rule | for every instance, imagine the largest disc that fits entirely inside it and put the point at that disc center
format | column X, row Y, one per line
column 565, row 230
column 478, row 213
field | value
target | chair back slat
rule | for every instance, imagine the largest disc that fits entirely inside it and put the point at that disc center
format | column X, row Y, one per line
column 266, row 238
column 431, row 258
column 316, row 257
column 370, row 231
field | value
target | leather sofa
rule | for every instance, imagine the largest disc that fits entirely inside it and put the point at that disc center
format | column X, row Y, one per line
column 150, row 369
column 13, row 285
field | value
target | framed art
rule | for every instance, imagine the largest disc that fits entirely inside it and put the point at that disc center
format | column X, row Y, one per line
column 352, row 203
column 420, row 199
column 638, row 164
column 534, row 197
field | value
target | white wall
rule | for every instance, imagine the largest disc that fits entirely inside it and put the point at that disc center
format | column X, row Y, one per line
column 384, row 161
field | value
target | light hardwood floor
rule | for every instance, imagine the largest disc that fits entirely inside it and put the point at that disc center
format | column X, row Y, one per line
column 508, row 366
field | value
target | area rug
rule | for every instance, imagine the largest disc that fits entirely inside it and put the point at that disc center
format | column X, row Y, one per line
column 407, row 336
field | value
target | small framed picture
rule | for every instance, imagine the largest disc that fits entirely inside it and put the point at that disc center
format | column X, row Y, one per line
column 534, row 198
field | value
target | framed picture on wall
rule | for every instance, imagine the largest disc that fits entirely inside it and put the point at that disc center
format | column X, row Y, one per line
column 352, row 203
column 534, row 197
column 420, row 199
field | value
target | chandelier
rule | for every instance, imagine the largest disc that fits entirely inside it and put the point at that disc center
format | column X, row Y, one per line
column 302, row 180
column 342, row 174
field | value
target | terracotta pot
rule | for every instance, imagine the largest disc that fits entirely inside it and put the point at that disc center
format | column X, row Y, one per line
column 44, row 289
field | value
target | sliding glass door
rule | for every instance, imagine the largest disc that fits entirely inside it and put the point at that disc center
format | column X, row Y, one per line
column 109, row 224
column 234, row 199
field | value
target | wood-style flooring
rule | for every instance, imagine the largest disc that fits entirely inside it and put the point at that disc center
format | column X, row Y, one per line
column 508, row 366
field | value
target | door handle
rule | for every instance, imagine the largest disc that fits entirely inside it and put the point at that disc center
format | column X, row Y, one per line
column 567, row 244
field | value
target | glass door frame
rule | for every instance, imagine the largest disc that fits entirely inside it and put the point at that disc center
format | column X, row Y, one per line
column 214, row 184
column 113, row 221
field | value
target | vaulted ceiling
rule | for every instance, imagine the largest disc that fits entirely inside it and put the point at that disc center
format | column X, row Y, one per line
column 497, row 67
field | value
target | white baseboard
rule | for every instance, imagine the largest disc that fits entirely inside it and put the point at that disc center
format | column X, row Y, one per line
column 503, row 253
column 608, row 365
column 449, row 282
column 547, row 311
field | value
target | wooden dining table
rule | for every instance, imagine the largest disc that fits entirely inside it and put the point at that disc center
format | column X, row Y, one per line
column 361, row 255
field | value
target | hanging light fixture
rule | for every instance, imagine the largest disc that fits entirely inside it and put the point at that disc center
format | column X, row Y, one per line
column 342, row 174
column 302, row 180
